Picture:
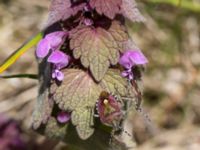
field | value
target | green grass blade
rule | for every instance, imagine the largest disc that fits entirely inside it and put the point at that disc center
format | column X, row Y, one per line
column 20, row 51
column 30, row 76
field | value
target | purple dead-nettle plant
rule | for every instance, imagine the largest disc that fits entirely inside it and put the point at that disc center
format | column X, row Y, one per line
column 85, row 55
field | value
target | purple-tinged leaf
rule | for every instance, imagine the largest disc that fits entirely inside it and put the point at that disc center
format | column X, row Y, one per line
column 62, row 10
column 77, row 90
column 77, row 93
column 98, row 48
column 107, row 7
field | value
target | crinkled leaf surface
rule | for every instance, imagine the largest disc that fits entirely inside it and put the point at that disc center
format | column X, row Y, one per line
column 107, row 7
column 97, row 47
column 55, row 130
column 129, row 9
column 82, row 118
column 62, row 10
column 113, row 82
column 79, row 93
column 77, row 90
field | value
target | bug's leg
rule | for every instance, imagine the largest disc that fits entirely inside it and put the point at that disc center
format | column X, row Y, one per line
column 96, row 113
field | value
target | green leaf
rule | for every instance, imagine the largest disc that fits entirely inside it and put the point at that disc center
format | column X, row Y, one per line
column 113, row 82
column 79, row 93
column 20, row 51
column 55, row 130
column 82, row 118
column 31, row 76
column 98, row 48
column 77, row 90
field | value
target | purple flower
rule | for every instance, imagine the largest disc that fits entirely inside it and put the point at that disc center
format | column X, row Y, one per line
column 63, row 117
column 52, row 42
column 128, row 74
column 131, row 58
column 57, row 74
column 59, row 60
column 88, row 22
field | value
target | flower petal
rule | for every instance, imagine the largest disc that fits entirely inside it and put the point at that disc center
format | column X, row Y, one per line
column 59, row 75
column 56, row 38
column 56, row 57
column 63, row 117
column 125, row 61
column 42, row 48
column 59, row 58
column 124, row 73
column 131, row 58
column 138, row 58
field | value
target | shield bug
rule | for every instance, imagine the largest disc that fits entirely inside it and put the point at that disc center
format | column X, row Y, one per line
column 109, row 109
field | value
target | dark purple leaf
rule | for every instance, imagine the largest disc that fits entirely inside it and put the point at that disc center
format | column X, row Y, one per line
column 107, row 7
column 62, row 10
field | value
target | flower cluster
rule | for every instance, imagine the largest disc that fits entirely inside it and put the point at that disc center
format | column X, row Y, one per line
column 50, row 47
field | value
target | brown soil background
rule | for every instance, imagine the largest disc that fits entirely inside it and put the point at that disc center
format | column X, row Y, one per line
column 170, row 38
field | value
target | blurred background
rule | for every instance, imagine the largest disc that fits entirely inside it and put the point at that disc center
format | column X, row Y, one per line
column 170, row 39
